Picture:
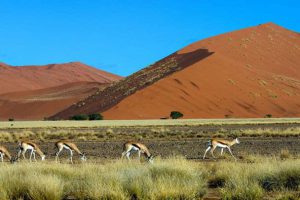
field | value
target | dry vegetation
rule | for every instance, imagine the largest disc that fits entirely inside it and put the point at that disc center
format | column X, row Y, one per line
column 173, row 178
column 253, row 177
column 144, row 132
column 140, row 123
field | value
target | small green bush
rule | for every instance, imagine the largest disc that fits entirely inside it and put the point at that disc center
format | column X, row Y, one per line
column 268, row 116
column 79, row 117
column 95, row 116
column 176, row 114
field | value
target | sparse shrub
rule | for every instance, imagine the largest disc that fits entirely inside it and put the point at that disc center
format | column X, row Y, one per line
column 217, row 181
column 284, row 154
column 176, row 114
column 109, row 131
column 268, row 116
column 281, row 178
column 11, row 119
column 288, row 196
column 243, row 190
column 95, row 116
column 79, row 117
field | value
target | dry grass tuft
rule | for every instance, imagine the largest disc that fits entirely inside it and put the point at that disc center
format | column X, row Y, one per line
column 172, row 178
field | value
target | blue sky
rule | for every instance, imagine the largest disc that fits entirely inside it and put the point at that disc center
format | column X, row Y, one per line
column 126, row 35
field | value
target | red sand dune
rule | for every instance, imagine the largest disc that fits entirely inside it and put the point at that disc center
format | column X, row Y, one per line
column 13, row 79
column 36, row 92
column 252, row 72
column 38, row 104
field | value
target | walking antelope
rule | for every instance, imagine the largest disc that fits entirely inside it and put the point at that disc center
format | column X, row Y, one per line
column 130, row 147
column 4, row 152
column 60, row 145
column 28, row 145
column 214, row 143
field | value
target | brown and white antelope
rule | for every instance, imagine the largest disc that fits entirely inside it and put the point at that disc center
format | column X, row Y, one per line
column 34, row 148
column 60, row 145
column 4, row 152
column 214, row 143
column 130, row 147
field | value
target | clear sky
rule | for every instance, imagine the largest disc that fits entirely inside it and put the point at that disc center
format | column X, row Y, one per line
column 126, row 35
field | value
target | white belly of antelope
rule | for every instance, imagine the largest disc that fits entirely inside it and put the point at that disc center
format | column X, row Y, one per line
column 221, row 145
column 133, row 148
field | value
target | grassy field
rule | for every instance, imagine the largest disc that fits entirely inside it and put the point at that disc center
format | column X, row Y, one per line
column 165, row 122
column 114, row 130
column 275, row 176
column 172, row 178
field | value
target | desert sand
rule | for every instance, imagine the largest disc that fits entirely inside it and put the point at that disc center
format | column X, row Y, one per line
column 251, row 72
column 37, row 92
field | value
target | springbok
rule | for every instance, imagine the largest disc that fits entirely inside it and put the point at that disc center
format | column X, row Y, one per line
column 28, row 145
column 60, row 145
column 130, row 147
column 214, row 143
column 4, row 152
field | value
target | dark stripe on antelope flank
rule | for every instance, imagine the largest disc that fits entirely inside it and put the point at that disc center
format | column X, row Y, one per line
column 31, row 144
column 67, row 145
column 221, row 142
column 135, row 145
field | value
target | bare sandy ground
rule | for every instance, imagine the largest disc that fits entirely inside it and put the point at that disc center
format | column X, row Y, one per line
column 191, row 149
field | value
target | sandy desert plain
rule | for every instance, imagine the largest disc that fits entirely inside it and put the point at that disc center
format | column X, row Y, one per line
column 267, row 165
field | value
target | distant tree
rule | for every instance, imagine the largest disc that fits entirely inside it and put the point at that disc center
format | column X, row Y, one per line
column 95, row 116
column 11, row 119
column 79, row 117
column 268, row 116
column 176, row 114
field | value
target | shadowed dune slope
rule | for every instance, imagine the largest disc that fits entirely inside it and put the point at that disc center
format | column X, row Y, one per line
column 247, row 73
column 14, row 78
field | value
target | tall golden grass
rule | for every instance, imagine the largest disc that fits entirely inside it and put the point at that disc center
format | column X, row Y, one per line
column 173, row 178
column 251, row 181
column 170, row 179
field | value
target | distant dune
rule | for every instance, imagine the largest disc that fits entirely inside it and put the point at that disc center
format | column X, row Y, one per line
column 37, row 92
column 252, row 72
column 16, row 78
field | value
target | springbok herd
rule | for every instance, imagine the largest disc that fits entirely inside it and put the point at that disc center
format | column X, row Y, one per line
column 128, row 148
